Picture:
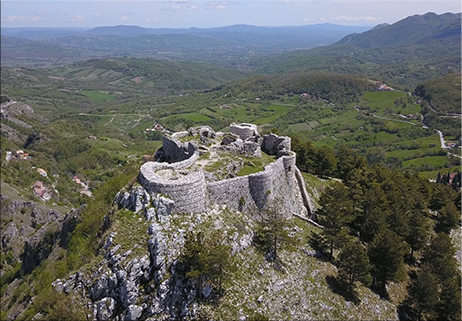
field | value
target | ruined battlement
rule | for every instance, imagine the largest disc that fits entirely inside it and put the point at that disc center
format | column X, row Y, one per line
column 180, row 173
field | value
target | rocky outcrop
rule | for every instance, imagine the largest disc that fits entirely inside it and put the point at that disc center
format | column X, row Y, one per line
column 33, row 230
column 276, row 145
column 135, row 200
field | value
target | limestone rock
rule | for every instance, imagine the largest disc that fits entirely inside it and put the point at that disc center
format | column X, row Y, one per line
column 133, row 313
column 163, row 205
column 10, row 233
column 104, row 309
column 135, row 200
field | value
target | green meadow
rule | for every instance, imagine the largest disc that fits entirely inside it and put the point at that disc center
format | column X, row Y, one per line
column 98, row 96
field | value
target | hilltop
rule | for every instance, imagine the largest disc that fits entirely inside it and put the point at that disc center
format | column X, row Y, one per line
column 417, row 29
column 403, row 54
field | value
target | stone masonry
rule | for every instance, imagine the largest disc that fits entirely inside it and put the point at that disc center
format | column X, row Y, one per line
column 192, row 193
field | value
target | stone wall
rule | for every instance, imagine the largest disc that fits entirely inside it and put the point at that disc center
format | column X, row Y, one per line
column 254, row 192
column 186, row 188
column 176, row 151
column 244, row 130
column 276, row 186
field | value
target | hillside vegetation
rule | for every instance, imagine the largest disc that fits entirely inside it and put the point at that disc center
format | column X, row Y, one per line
column 403, row 54
column 230, row 46
column 443, row 93
column 83, row 128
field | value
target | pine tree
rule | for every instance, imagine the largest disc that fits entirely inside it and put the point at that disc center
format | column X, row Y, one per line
column 272, row 232
column 439, row 256
column 353, row 265
column 448, row 218
column 439, row 253
column 325, row 162
column 375, row 213
column 418, row 232
column 423, row 293
column 448, row 307
column 335, row 215
column 206, row 259
column 386, row 253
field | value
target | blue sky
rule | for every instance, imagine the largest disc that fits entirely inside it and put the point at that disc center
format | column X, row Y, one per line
column 205, row 14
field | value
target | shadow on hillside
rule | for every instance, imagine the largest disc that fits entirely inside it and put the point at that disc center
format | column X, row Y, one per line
column 380, row 290
column 342, row 289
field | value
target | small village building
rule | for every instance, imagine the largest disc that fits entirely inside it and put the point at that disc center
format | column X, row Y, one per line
column 42, row 172
column 39, row 188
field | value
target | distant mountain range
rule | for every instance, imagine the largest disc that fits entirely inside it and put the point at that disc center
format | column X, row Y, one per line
column 405, row 53
column 230, row 46
column 417, row 29
column 326, row 29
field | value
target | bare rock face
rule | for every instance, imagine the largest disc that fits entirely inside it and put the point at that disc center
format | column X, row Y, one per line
column 147, row 285
column 33, row 230
column 105, row 309
column 164, row 206
column 135, row 200
column 9, row 234
column 276, row 145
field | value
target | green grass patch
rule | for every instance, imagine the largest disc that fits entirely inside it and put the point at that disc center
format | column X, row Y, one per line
column 193, row 117
column 437, row 161
column 300, row 127
column 98, row 96
column 433, row 174
column 255, row 165
column 131, row 232
column 384, row 99
column 271, row 113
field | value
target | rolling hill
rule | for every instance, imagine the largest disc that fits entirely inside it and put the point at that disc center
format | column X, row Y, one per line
column 417, row 29
column 404, row 54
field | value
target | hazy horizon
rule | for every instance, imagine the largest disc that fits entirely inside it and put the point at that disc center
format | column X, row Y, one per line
column 211, row 14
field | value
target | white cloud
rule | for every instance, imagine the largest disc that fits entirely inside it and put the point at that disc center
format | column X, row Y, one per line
column 124, row 18
column 281, row 2
column 216, row 5
column 356, row 19
column 179, row 7
column 320, row 19
column 77, row 18
column 23, row 18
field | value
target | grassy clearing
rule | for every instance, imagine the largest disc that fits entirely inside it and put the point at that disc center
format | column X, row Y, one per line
column 193, row 117
column 437, row 161
column 131, row 233
column 300, row 127
column 433, row 174
column 255, row 165
column 383, row 99
column 272, row 113
column 315, row 186
column 98, row 96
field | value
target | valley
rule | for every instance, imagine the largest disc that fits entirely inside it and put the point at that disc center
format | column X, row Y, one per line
column 375, row 127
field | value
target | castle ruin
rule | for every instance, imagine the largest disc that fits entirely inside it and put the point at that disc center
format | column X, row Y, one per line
column 199, row 168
